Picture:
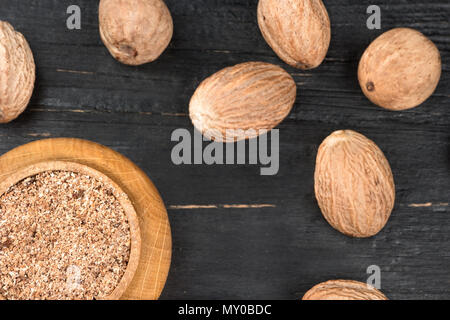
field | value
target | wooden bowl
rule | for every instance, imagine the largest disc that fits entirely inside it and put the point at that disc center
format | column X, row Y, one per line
column 41, row 167
column 151, row 246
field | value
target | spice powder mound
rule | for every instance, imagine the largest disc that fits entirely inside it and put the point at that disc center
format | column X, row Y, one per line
column 63, row 235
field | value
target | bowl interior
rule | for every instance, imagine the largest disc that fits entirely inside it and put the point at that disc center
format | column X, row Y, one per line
column 123, row 199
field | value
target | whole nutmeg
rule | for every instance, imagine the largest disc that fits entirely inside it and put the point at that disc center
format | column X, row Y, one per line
column 135, row 31
column 18, row 73
column 354, row 184
column 400, row 69
column 344, row 290
column 242, row 101
column 297, row 30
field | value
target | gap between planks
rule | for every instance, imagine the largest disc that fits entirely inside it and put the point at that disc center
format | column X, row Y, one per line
column 221, row 206
column 163, row 114
column 75, row 71
column 262, row 206
column 428, row 204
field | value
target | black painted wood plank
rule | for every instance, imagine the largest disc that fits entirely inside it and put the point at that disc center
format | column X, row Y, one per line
column 277, row 251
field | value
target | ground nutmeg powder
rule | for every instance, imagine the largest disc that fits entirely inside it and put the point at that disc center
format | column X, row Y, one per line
column 63, row 235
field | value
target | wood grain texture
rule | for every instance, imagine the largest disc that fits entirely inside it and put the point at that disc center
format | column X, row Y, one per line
column 278, row 251
column 155, row 238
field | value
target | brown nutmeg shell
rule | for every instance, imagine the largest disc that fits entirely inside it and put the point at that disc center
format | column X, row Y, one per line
column 354, row 184
column 343, row 290
column 298, row 31
column 242, row 101
column 400, row 69
column 135, row 31
column 18, row 73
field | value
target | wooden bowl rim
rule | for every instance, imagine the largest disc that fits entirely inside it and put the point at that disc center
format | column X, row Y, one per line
column 121, row 196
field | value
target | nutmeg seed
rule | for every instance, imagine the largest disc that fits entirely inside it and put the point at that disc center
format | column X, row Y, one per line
column 344, row 290
column 400, row 69
column 354, row 184
column 298, row 31
column 238, row 102
column 135, row 31
column 17, row 71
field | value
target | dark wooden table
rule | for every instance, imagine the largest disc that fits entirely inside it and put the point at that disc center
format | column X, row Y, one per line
column 277, row 251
